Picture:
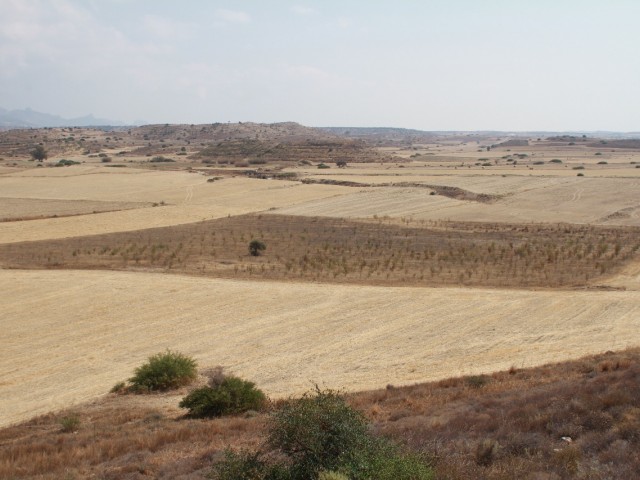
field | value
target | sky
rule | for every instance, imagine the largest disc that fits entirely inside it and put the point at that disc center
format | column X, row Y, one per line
column 561, row 65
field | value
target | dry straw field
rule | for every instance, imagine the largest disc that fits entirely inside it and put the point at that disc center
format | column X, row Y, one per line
column 73, row 334
column 433, row 266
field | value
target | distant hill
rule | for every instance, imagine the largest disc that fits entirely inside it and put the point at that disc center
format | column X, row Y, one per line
column 369, row 131
column 29, row 118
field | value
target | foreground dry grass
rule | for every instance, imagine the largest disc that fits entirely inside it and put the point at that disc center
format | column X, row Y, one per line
column 506, row 425
column 341, row 251
column 69, row 336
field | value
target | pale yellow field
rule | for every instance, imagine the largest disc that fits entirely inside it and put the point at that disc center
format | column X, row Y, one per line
column 572, row 200
column 68, row 336
column 18, row 208
column 189, row 198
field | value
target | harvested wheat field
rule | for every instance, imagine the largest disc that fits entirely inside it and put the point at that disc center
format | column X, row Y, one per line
column 16, row 209
column 179, row 198
column 70, row 335
column 574, row 200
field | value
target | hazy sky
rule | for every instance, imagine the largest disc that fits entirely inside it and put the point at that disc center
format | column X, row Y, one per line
column 431, row 64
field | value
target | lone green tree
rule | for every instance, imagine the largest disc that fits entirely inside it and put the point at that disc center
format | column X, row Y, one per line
column 39, row 153
column 256, row 247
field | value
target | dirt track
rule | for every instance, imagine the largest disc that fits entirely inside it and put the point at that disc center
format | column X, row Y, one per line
column 68, row 336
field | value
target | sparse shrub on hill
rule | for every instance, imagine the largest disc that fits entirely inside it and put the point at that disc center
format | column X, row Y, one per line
column 164, row 371
column 257, row 161
column 161, row 159
column 66, row 163
column 39, row 153
column 230, row 396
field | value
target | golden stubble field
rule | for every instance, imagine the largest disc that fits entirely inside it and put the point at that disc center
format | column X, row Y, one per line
column 68, row 336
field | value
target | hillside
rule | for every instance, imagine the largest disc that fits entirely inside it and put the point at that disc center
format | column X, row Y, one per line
column 28, row 118
column 578, row 419
column 224, row 143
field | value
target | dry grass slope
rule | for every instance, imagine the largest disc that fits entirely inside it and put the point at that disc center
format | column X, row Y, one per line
column 509, row 424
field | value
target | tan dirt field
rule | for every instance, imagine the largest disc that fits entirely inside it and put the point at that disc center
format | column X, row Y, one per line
column 68, row 336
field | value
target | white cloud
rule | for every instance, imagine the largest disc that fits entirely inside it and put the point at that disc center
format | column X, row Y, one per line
column 303, row 10
column 343, row 22
column 232, row 16
column 166, row 28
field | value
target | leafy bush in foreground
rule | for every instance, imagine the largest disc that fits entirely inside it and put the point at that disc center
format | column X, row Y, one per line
column 323, row 437
column 231, row 396
column 164, row 371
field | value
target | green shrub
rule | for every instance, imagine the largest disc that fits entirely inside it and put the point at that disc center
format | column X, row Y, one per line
column 164, row 371
column 319, row 432
column 319, row 436
column 326, row 475
column 322, row 165
column 256, row 247
column 246, row 465
column 384, row 461
column 161, row 159
column 70, row 423
column 66, row 163
column 232, row 396
column 120, row 387
column 477, row 381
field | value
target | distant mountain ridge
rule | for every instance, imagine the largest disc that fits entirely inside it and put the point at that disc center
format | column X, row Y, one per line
column 28, row 118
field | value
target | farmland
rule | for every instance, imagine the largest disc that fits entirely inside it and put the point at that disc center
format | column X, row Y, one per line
column 416, row 261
